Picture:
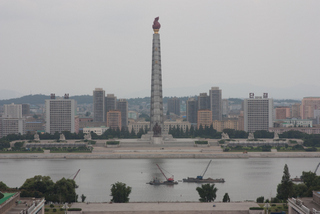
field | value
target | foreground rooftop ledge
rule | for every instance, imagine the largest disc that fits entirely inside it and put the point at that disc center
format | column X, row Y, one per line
column 175, row 207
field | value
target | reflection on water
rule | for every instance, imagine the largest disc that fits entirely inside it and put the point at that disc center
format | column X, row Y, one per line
column 246, row 179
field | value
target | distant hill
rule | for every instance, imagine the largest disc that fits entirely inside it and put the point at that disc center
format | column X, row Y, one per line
column 88, row 99
column 40, row 99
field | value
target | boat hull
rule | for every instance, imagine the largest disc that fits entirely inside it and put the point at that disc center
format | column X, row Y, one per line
column 207, row 180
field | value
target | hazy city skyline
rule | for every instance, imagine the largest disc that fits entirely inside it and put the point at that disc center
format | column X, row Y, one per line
column 239, row 46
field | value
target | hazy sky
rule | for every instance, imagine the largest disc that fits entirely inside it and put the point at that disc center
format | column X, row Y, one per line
column 241, row 46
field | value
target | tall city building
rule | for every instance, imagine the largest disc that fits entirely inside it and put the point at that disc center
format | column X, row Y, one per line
column 25, row 109
column 283, row 113
column 191, row 110
column 225, row 107
column 174, row 105
column 215, row 99
column 12, row 126
column 295, row 110
column 60, row 114
column 203, row 101
column 12, row 110
column 114, row 119
column 258, row 113
column 308, row 105
column 99, row 111
column 122, row 106
column 204, row 118
column 110, row 103
column 156, row 108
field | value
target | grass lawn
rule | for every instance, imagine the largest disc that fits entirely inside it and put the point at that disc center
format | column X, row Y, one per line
column 276, row 207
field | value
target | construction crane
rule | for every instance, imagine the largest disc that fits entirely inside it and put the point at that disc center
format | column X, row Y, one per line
column 171, row 179
column 316, row 168
column 200, row 177
column 76, row 175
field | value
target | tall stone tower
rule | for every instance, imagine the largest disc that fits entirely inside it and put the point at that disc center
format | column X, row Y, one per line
column 156, row 108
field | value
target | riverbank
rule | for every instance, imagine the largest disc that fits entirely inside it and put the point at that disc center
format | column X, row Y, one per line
column 213, row 152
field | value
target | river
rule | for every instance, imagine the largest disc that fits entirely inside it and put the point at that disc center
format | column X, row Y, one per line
column 246, row 179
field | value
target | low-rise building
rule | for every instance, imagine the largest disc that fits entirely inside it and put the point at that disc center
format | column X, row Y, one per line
column 293, row 123
column 97, row 130
column 311, row 130
column 305, row 205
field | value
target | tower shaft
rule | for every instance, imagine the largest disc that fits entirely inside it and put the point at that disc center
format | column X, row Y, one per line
column 156, row 108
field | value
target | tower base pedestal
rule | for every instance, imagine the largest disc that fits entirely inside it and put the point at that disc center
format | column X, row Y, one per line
column 159, row 140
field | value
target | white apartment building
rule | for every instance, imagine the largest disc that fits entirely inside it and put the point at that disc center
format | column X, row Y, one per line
column 12, row 126
column 60, row 114
column 258, row 113
column 12, row 110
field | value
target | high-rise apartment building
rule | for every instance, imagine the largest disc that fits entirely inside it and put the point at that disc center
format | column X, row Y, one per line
column 12, row 126
column 204, row 118
column 60, row 114
column 283, row 112
column 99, row 110
column 258, row 113
column 308, row 105
column 295, row 110
column 203, row 101
column 122, row 106
column 174, row 105
column 12, row 110
column 25, row 109
column 215, row 99
column 191, row 110
column 225, row 107
column 110, row 103
column 114, row 119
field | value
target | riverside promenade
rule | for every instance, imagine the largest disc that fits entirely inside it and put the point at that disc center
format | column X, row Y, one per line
column 166, row 208
column 187, row 152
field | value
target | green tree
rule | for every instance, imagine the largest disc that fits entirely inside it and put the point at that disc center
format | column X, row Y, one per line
column 120, row 192
column 285, row 188
column 3, row 186
column 207, row 192
column 260, row 199
column 226, row 198
column 38, row 186
column 83, row 198
column 65, row 190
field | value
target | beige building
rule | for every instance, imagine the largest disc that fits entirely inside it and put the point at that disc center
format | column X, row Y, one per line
column 204, row 118
column 308, row 105
column 283, row 112
column 114, row 119
column 178, row 123
column 225, row 124
column 136, row 126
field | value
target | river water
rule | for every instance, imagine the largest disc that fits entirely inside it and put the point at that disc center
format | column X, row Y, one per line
column 246, row 179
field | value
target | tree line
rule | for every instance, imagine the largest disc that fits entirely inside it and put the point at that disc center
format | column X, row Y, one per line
column 310, row 140
column 42, row 186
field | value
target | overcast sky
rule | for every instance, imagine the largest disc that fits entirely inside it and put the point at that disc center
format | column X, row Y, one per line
column 241, row 46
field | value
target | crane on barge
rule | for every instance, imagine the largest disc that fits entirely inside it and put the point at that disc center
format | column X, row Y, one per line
column 315, row 171
column 169, row 181
column 199, row 178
